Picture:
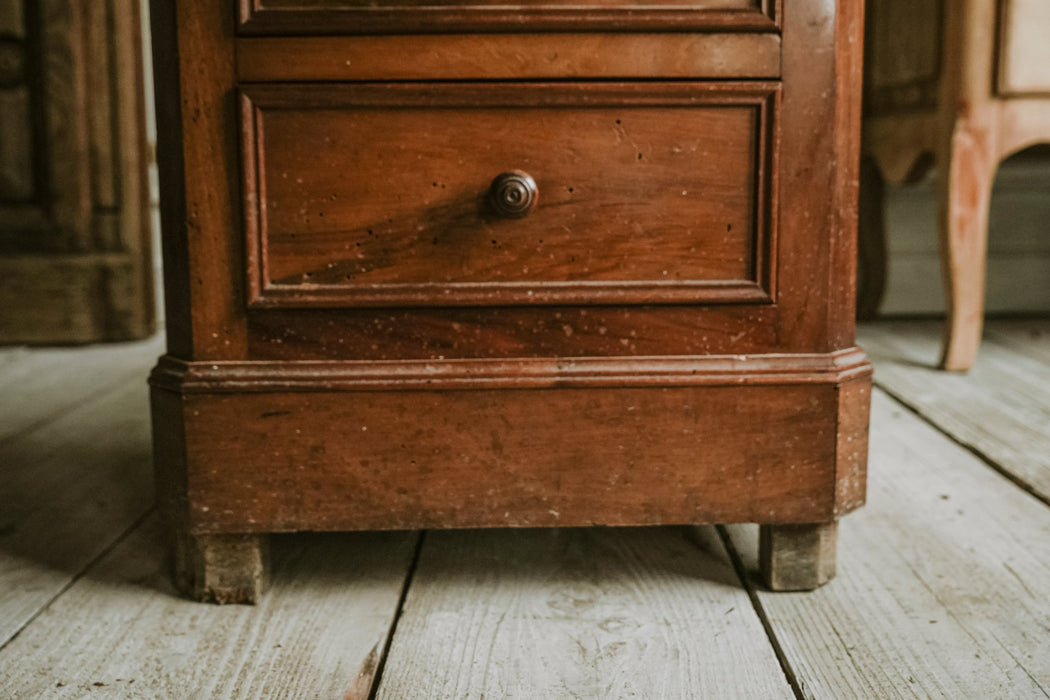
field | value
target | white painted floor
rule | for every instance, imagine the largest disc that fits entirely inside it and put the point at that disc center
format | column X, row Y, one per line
column 943, row 588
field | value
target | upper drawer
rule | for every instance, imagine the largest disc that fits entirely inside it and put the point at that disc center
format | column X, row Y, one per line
column 434, row 16
column 380, row 194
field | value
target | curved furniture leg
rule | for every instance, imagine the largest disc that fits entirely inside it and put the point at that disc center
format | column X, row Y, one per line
column 965, row 191
column 871, row 240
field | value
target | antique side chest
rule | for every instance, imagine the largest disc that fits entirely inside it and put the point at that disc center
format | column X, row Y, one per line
column 445, row 264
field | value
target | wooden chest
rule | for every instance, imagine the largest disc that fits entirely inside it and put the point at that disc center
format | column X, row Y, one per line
column 440, row 264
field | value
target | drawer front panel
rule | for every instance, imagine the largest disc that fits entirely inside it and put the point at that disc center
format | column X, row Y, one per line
column 372, row 195
column 289, row 17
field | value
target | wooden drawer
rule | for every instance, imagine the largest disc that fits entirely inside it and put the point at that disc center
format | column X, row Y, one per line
column 378, row 195
column 277, row 17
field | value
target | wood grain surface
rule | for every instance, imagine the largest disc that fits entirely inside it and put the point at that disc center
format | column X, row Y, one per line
column 513, row 332
column 646, row 193
column 816, row 249
column 54, row 381
column 320, row 632
column 65, row 492
column 660, row 228
column 397, row 459
column 69, row 487
column 200, row 179
column 1000, row 409
column 597, row 613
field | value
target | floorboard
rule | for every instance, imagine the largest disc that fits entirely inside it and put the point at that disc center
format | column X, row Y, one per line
column 1000, row 409
column 578, row 613
column 122, row 632
column 68, row 489
column 50, row 381
column 1028, row 336
column 943, row 586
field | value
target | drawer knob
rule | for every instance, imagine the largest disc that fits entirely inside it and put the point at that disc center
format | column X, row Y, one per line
column 513, row 194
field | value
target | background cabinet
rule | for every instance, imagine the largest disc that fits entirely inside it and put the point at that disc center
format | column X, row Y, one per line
column 967, row 84
column 75, row 261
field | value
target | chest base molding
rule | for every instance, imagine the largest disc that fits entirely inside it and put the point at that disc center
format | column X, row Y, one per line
column 524, row 443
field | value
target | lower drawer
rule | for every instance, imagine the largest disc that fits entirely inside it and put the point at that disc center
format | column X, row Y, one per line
column 390, row 195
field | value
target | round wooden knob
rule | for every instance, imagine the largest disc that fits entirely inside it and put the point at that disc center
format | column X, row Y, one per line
column 513, row 194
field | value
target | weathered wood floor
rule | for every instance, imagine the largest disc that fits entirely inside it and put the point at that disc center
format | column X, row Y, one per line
column 943, row 588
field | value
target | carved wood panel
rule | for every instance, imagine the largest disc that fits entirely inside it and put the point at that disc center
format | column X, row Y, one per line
column 375, row 195
column 74, row 208
column 16, row 122
column 903, row 54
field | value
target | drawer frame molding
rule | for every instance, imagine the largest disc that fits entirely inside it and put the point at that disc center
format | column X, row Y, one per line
column 256, row 17
column 796, row 451
column 760, row 288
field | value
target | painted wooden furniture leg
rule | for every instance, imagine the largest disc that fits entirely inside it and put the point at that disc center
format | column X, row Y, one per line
column 223, row 568
column 965, row 191
column 797, row 557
